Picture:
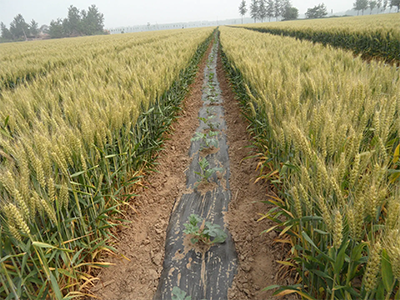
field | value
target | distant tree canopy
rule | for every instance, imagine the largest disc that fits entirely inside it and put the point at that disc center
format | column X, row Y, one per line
column 290, row 13
column 254, row 10
column 395, row 3
column 372, row 5
column 78, row 23
column 262, row 9
column 379, row 5
column 242, row 9
column 270, row 9
column 5, row 32
column 19, row 30
column 318, row 11
column 360, row 5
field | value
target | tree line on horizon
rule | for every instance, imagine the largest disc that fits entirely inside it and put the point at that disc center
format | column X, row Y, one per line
column 77, row 23
column 19, row 29
column 263, row 9
column 380, row 5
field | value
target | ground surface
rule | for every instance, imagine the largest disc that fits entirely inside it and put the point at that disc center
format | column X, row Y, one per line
column 143, row 241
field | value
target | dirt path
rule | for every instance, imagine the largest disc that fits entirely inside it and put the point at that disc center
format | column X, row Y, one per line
column 143, row 241
column 202, row 272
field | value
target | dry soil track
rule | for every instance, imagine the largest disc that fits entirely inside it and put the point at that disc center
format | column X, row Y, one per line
column 143, row 241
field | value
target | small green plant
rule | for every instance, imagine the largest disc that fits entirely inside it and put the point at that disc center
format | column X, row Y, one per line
column 208, row 139
column 208, row 121
column 212, row 96
column 212, row 99
column 207, row 233
column 210, row 111
column 211, row 86
column 211, row 76
column 178, row 294
column 206, row 172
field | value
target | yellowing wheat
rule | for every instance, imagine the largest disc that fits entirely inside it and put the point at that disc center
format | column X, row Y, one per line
column 80, row 118
column 330, row 123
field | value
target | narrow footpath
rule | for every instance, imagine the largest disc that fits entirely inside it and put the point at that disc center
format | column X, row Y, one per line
column 156, row 256
column 202, row 271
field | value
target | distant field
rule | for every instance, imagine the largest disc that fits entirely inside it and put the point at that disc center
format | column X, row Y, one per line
column 24, row 61
column 372, row 36
column 368, row 23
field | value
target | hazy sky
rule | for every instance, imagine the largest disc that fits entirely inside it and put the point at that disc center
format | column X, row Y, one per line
column 138, row 12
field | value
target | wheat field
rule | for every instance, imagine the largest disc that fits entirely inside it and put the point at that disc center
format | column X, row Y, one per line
column 328, row 124
column 75, row 138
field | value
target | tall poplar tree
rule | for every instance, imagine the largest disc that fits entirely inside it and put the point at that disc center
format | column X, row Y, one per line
column 262, row 10
column 242, row 9
column 254, row 10
column 270, row 9
column 395, row 3
column 277, row 9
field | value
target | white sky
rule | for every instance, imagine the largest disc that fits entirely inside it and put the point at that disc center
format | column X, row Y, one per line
column 138, row 12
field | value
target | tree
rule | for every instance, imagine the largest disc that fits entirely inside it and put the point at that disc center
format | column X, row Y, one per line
column 77, row 22
column 277, row 9
column 66, row 29
column 19, row 28
column 72, row 25
column 289, row 12
column 270, row 9
column 379, row 5
column 371, row 5
column 385, row 4
column 34, row 28
column 56, row 29
column 242, row 9
column 5, row 32
column 318, row 11
column 254, row 10
column 360, row 5
column 93, row 23
column 395, row 3
column 364, row 5
column 262, row 10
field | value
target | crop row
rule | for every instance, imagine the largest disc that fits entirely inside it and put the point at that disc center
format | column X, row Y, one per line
column 22, row 62
column 73, row 146
column 329, row 127
column 371, row 36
